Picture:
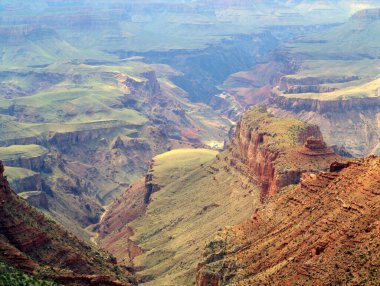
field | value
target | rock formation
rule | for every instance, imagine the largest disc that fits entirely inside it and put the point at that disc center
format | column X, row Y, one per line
column 324, row 231
column 315, row 146
column 271, row 150
column 32, row 243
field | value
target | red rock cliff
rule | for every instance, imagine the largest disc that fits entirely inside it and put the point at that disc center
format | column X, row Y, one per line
column 325, row 231
column 271, row 150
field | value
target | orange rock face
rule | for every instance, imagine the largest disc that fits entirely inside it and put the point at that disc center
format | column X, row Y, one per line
column 325, row 231
column 275, row 156
column 315, row 146
column 114, row 234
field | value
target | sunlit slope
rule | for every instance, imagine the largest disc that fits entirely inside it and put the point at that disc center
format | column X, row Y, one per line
column 358, row 38
column 356, row 90
column 19, row 152
column 101, row 123
column 339, row 63
column 195, row 200
column 178, row 163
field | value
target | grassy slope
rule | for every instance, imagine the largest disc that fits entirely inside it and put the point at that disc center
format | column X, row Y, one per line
column 355, row 39
column 15, row 152
column 87, row 97
column 281, row 132
column 15, row 173
column 196, row 201
column 76, row 106
column 350, row 49
column 177, row 163
column 368, row 89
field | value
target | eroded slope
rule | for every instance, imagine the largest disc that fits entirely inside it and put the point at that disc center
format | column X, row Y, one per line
column 190, row 195
column 324, row 231
column 36, row 245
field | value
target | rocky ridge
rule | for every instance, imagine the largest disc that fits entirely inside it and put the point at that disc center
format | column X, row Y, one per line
column 323, row 231
column 28, row 239
column 270, row 149
column 266, row 154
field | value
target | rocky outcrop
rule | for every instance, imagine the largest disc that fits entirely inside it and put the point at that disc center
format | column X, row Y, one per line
column 324, row 106
column 37, row 199
column 21, row 141
column 150, row 185
column 27, row 184
column 148, row 84
column 295, row 89
column 66, row 139
column 271, row 150
column 315, row 146
column 324, row 231
column 287, row 83
column 355, row 120
column 33, row 163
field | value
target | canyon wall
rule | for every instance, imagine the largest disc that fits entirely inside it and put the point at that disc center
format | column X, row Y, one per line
column 326, row 106
column 34, row 244
column 271, row 150
column 323, row 231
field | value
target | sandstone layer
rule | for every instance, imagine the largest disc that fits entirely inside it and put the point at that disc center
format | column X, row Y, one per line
column 271, row 149
column 322, row 232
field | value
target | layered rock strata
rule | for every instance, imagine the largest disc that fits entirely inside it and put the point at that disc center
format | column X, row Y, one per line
column 271, row 149
column 322, row 232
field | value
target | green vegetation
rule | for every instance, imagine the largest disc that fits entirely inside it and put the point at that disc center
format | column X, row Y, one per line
column 356, row 90
column 198, row 197
column 10, row 276
column 15, row 173
column 26, row 195
column 177, row 163
column 281, row 132
column 16, row 152
column 348, row 50
column 355, row 39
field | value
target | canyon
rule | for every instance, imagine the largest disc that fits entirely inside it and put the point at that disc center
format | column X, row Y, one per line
column 306, row 78
column 35, row 244
column 162, row 142
column 153, row 226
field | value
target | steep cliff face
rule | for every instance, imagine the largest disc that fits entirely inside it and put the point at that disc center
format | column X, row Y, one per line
column 271, row 150
column 324, row 231
column 65, row 139
column 354, row 120
column 27, row 183
column 113, row 231
column 29, row 240
column 147, row 83
column 326, row 106
column 100, row 133
column 144, row 227
column 30, row 157
column 289, row 84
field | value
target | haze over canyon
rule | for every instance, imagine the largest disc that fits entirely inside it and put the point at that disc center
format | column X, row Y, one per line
column 189, row 142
